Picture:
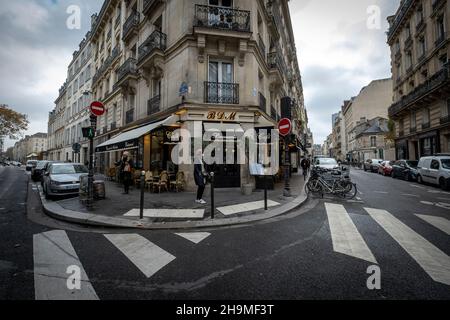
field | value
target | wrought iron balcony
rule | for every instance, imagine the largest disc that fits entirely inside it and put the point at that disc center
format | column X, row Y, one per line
column 445, row 120
column 275, row 15
column 276, row 61
column 222, row 93
column 149, row 5
column 117, row 22
column 441, row 39
column 156, row 41
column 222, row 18
column 130, row 24
column 105, row 129
column 408, row 42
column 113, row 126
column 154, row 105
column 434, row 82
column 129, row 116
column 273, row 113
column 437, row 4
column 106, row 64
column 399, row 17
column 129, row 67
column 109, row 34
column 262, row 102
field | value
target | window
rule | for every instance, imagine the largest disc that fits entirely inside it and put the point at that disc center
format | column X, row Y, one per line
column 434, row 165
column 440, row 28
column 373, row 141
column 220, row 72
column 426, row 116
column 413, row 119
column 421, row 49
column 408, row 60
column 222, row 3
column 401, row 126
column 442, row 61
column 419, row 14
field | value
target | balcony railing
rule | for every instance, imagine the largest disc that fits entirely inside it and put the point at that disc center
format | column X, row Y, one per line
column 434, row 82
column 420, row 25
column 116, row 24
column 274, row 14
column 157, row 40
column 437, row 4
column 129, row 116
column 408, row 42
column 222, row 18
column 105, row 129
column 273, row 113
column 445, row 120
column 113, row 126
column 440, row 39
column 404, row 9
column 426, row 125
column 129, row 67
column 149, row 5
column 261, row 45
column 154, row 105
column 106, row 64
column 276, row 61
column 222, row 93
column 130, row 24
column 262, row 102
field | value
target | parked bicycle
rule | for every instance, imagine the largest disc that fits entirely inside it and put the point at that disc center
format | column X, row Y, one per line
column 334, row 182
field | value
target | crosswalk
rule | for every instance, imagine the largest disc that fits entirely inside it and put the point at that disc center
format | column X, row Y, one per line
column 347, row 239
column 56, row 263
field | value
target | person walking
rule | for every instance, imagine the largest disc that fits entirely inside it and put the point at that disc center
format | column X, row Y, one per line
column 304, row 165
column 199, row 176
column 126, row 166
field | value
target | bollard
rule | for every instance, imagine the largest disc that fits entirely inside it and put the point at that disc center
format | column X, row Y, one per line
column 213, row 209
column 141, row 215
column 265, row 193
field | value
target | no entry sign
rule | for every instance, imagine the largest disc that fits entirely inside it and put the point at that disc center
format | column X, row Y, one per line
column 97, row 108
column 285, row 127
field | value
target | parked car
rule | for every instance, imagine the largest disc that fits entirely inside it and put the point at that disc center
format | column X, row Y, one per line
column 435, row 170
column 31, row 164
column 372, row 164
column 63, row 179
column 385, row 168
column 38, row 171
column 326, row 163
column 405, row 169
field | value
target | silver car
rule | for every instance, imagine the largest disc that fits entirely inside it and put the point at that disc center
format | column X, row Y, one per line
column 63, row 179
column 326, row 163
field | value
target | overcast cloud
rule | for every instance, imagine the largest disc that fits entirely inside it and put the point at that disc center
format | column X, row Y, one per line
column 338, row 54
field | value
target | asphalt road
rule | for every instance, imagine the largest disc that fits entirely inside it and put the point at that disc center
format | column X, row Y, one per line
column 290, row 257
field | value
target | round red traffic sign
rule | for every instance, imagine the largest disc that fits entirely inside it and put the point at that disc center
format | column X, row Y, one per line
column 285, row 127
column 97, row 108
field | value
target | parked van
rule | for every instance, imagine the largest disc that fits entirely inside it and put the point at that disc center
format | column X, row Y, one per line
column 435, row 170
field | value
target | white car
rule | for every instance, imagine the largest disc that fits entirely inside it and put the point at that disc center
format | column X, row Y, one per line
column 326, row 163
column 435, row 170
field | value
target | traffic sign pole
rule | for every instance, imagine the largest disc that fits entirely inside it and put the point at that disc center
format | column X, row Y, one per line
column 285, row 128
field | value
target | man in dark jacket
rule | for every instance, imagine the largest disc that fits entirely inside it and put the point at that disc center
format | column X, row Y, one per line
column 126, row 166
column 199, row 177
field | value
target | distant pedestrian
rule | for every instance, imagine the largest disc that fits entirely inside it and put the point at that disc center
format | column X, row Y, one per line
column 199, row 176
column 304, row 164
column 126, row 166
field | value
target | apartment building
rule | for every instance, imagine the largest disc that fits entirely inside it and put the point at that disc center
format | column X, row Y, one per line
column 164, row 65
column 30, row 147
column 71, row 112
column 338, row 136
column 419, row 40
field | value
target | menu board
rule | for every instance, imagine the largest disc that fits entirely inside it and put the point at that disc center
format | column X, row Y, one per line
column 256, row 169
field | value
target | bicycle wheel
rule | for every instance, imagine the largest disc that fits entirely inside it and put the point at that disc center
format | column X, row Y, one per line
column 350, row 190
column 313, row 186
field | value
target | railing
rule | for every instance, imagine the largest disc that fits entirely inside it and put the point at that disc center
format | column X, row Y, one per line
column 261, row 45
column 408, row 42
column 274, row 13
column 224, row 93
column 431, row 84
column 108, row 35
column 222, row 18
column 129, row 67
column 154, row 105
column 116, row 24
column 129, row 116
column 113, row 126
column 405, row 7
column 262, row 102
column 131, row 23
column 437, row 4
column 106, row 64
column 105, row 130
column 276, row 61
column 420, row 25
column 157, row 40
column 273, row 113
column 441, row 39
column 445, row 120
column 148, row 4
column 426, row 125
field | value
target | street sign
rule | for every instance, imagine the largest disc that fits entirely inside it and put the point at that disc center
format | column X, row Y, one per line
column 88, row 132
column 76, row 147
column 285, row 127
column 97, row 108
column 184, row 89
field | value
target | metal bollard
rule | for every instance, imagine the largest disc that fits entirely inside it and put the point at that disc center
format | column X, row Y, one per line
column 265, row 193
column 213, row 207
column 142, row 194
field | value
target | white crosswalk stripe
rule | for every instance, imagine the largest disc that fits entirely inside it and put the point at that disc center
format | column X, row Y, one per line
column 195, row 237
column 146, row 256
column 53, row 254
column 346, row 238
column 441, row 223
column 435, row 262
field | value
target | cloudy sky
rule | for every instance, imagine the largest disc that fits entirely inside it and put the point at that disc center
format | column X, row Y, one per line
column 338, row 53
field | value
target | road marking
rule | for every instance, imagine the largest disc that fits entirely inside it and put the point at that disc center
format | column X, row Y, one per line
column 416, row 186
column 195, row 237
column 168, row 213
column 346, row 238
column 438, row 222
column 410, row 195
column 440, row 204
column 146, row 256
column 381, row 192
column 435, row 262
column 53, row 254
column 245, row 207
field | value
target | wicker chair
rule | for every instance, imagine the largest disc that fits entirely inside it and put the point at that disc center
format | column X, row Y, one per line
column 148, row 179
column 162, row 183
column 179, row 182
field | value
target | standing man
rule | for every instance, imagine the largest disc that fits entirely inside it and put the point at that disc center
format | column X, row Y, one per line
column 126, row 165
column 199, row 177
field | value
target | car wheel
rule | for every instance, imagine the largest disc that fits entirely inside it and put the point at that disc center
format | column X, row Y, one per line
column 419, row 179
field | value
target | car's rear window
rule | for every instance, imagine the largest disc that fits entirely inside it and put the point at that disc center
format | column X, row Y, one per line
column 445, row 163
column 69, row 169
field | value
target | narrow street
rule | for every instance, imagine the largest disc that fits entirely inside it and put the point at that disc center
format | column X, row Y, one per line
column 311, row 253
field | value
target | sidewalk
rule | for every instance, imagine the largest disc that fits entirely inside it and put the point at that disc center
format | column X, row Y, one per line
column 177, row 210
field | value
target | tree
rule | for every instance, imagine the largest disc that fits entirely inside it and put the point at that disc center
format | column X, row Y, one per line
column 390, row 135
column 12, row 122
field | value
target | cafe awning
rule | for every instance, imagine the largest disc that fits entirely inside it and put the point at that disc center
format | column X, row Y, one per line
column 130, row 139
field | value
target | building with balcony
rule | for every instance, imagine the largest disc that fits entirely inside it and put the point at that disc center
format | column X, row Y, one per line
column 338, row 136
column 160, row 65
column 419, row 39
column 30, row 148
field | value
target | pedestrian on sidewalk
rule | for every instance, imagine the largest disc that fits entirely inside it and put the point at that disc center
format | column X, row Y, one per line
column 126, row 165
column 199, row 176
column 304, row 165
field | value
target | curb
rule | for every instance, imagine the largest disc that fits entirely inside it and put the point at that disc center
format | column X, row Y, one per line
column 56, row 211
